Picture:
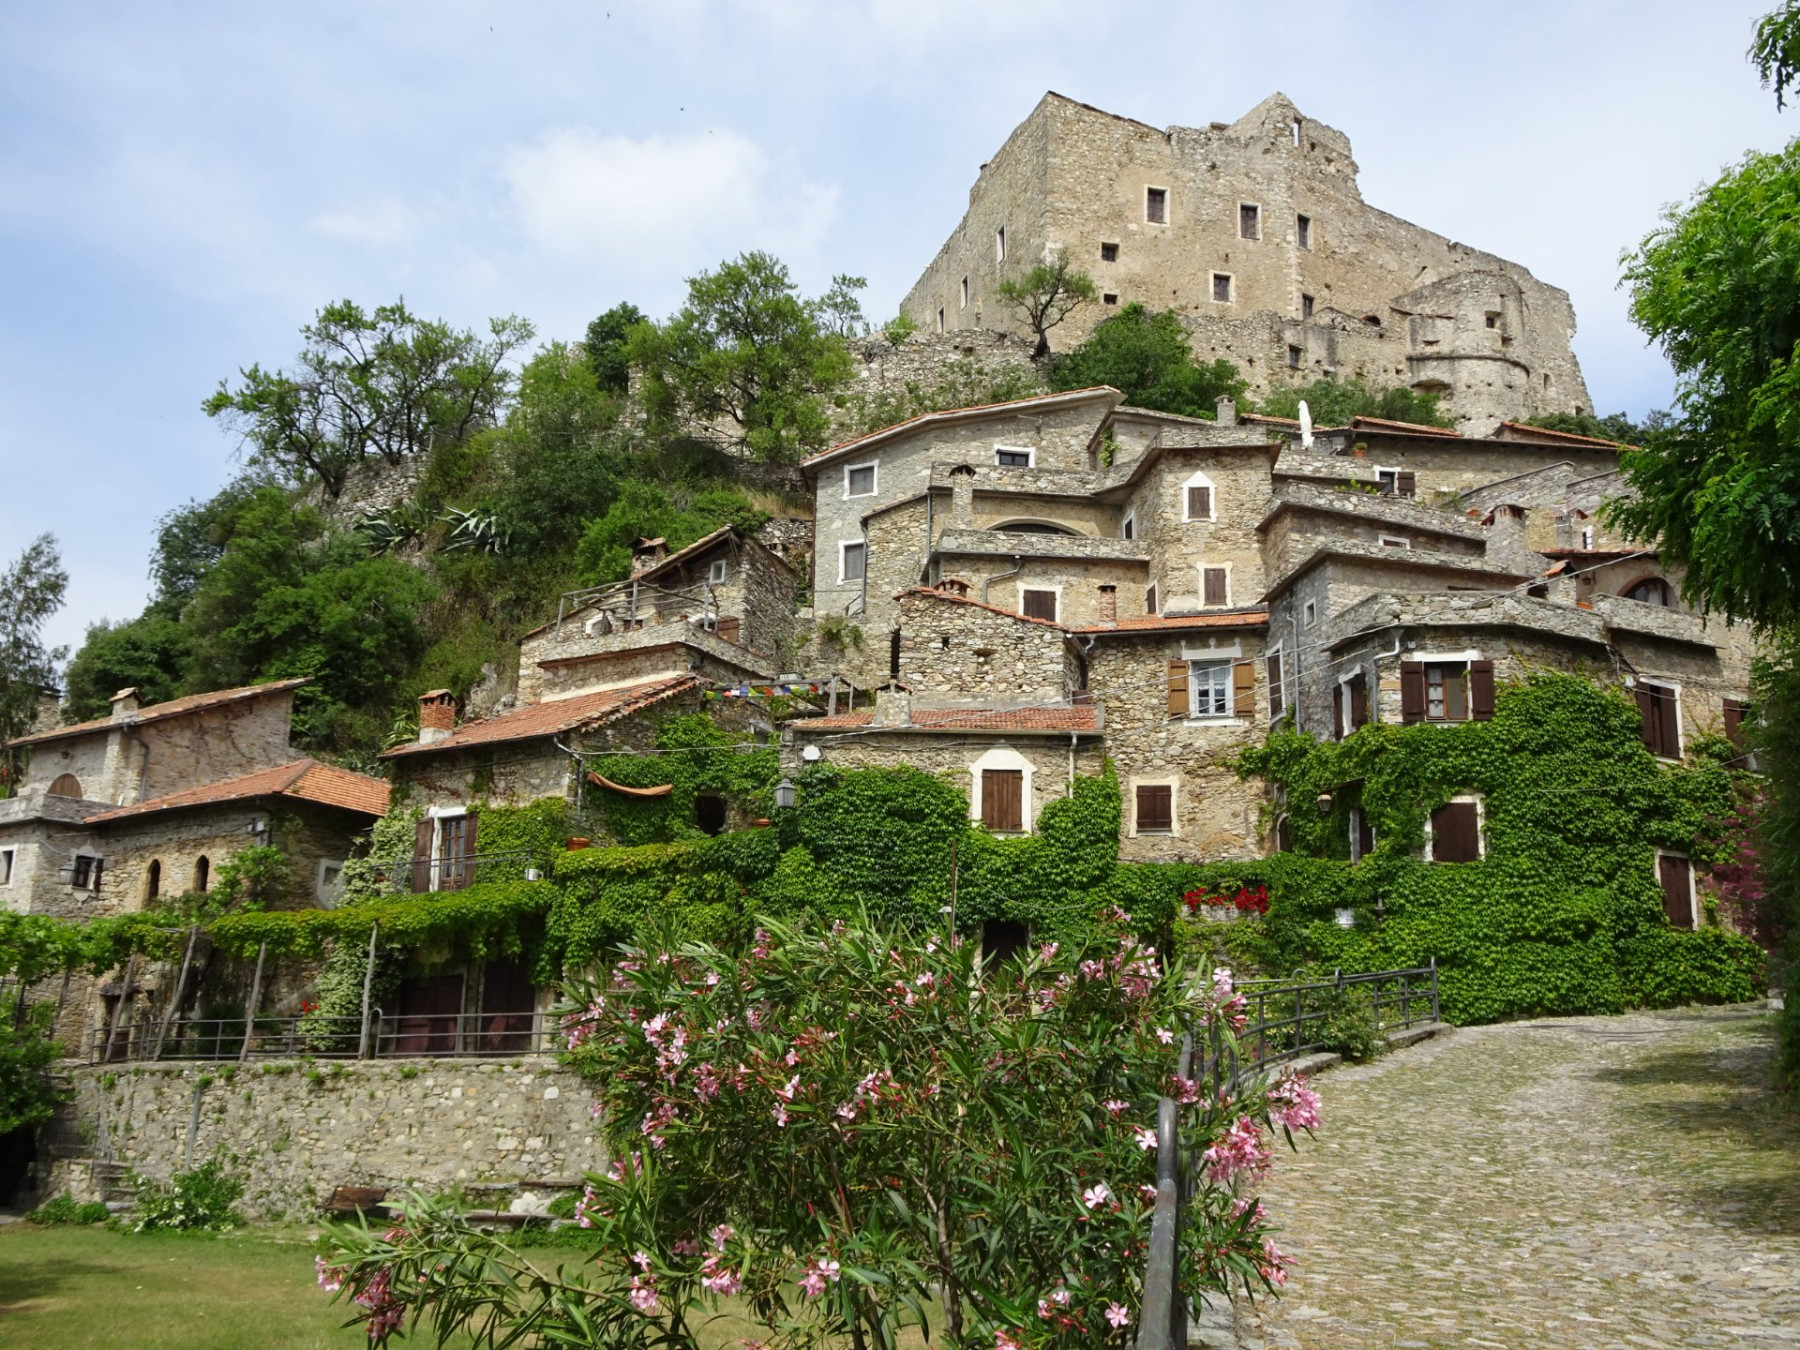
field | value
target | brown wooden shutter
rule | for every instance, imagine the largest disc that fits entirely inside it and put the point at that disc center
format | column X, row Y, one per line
column 1178, row 689
column 1677, row 880
column 1734, row 721
column 465, row 866
column 1274, row 685
column 421, row 863
column 1155, row 807
column 1002, row 799
column 1365, row 834
column 1243, row 689
column 729, row 627
column 1646, row 704
column 1337, row 712
column 1199, row 503
column 1481, row 690
column 1406, row 483
column 1455, row 833
column 1668, row 722
column 1214, row 592
column 1040, row 605
column 1412, row 691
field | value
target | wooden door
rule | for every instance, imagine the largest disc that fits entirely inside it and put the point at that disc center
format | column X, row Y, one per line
column 430, row 1009
column 507, row 1002
column 1002, row 799
column 1677, row 878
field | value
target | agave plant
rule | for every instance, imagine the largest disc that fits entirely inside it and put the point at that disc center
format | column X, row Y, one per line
column 471, row 529
column 393, row 528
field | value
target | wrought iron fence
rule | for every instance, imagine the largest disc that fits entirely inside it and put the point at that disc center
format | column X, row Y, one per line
column 390, row 1036
column 1284, row 1020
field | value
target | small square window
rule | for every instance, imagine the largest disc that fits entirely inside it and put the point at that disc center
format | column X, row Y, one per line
column 1249, row 221
column 1129, row 529
column 1309, row 613
column 716, row 572
column 1394, row 541
column 1215, row 587
column 1303, row 231
column 1199, row 502
column 1294, row 354
column 1012, row 457
column 1493, row 318
column 1109, row 253
column 1306, row 307
column 1156, row 205
column 6, row 866
column 854, row 561
column 1038, row 605
column 1221, row 288
column 859, row 480
column 1108, row 298
column 1155, row 808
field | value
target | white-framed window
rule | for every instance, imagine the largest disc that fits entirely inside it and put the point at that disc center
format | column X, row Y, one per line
column 1199, row 500
column 1040, row 602
column 860, row 480
column 328, row 883
column 964, row 304
column 1156, row 205
column 1221, row 287
column 1000, row 244
column 1309, row 613
column 853, row 560
column 1395, row 541
column 1209, row 689
column 85, row 872
column 1128, row 530
column 716, row 572
column 1587, row 537
column 1014, row 456
column 1153, row 806
column 1249, row 220
column 1457, row 830
column 1000, row 791
column 1659, row 708
column 8, row 856
column 1215, row 585
column 1389, row 478
column 1675, row 878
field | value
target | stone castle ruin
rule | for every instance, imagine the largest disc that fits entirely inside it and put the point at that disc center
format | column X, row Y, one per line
column 1256, row 233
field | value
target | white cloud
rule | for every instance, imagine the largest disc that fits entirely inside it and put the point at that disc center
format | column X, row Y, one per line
column 381, row 224
column 661, row 200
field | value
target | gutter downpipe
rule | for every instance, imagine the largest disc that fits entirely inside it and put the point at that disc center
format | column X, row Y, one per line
column 1018, row 567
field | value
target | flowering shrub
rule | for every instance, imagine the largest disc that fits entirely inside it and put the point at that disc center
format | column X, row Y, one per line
column 201, row 1198
column 842, row 1128
column 1244, row 899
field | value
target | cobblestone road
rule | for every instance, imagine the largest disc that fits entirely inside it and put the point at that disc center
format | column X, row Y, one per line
column 1580, row 1182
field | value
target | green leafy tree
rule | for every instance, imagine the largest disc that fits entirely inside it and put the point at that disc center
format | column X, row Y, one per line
column 1620, row 427
column 1775, row 52
column 31, row 590
column 1333, row 402
column 151, row 653
column 28, row 1095
column 608, row 341
column 1147, row 356
column 746, row 361
column 645, row 509
column 1046, row 295
column 840, row 308
column 382, row 383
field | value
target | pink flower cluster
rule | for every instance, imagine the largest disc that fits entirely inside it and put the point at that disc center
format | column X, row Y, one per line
column 715, row 1276
column 1240, row 1149
column 642, row 1291
column 818, row 1271
column 1293, row 1105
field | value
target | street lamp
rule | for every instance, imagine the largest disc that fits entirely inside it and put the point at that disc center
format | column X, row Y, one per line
column 785, row 794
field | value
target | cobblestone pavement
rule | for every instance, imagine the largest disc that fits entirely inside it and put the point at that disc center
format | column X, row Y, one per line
column 1577, row 1182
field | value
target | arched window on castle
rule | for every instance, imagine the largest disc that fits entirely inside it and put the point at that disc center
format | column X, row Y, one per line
column 202, row 873
column 153, row 879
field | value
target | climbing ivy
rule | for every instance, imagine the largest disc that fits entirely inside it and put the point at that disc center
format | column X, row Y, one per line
column 695, row 757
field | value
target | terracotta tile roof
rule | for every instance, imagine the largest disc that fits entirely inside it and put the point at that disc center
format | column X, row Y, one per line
column 555, row 716
column 1064, row 719
column 951, row 414
column 1409, row 428
column 950, row 597
column 305, row 779
column 1168, row 623
column 1551, row 437
column 156, row 712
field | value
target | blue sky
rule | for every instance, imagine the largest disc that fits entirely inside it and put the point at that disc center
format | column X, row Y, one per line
column 183, row 185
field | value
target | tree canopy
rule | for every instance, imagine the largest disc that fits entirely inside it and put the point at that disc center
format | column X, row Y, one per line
column 1775, row 52
column 1046, row 295
column 31, row 590
column 1147, row 356
column 1333, row 402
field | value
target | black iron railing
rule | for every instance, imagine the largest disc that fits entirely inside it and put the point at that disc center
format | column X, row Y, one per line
column 391, row 1035
column 1284, row 1020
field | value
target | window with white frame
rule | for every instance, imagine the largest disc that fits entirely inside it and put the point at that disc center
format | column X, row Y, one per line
column 85, row 872
column 1675, row 876
column 1153, row 806
column 1456, row 831
column 1129, row 529
column 1215, row 585
column 1249, row 221
column 853, row 558
column 1150, row 599
column 1221, row 287
column 1197, row 500
column 716, row 572
column 1013, row 456
column 1209, row 688
column 859, row 480
column 1038, row 603
column 1277, row 680
column 328, row 886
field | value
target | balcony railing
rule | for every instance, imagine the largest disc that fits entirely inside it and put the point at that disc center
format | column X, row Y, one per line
column 391, row 1036
column 457, row 872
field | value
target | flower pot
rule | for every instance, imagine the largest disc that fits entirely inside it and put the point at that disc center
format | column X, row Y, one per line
column 579, row 843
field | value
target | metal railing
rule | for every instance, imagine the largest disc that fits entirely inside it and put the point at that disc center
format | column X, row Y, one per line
column 457, row 872
column 1284, row 1020
column 391, row 1036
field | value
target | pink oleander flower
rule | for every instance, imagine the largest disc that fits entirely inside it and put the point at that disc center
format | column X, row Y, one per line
column 1096, row 1195
column 817, row 1273
column 1148, row 1191
column 685, row 1247
column 1166, row 1036
column 1117, row 1107
column 1274, row 1264
column 1006, row 1341
column 760, row 949
column 1048, row 951
column 1146, row 1138
column 330, row 1277
column 721, row 1235
column 1293, row 1104
column 725, row 1283
column 643, row 1295
column 1240, row 1149
column 781, row 1116
column 1116, row 1314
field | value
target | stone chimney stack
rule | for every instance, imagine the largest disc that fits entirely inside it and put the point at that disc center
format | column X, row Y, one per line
column 49, row 709
column 893, row 708
column 1227, row 411
column 1506, row 540
column 437, row 716
column 962, row 498
column 1109, row 604
column 647, row 553
column 124, row 704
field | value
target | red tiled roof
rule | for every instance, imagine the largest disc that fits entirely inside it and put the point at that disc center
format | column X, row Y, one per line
column 156, row 712
column 1410, row 428
column 1067, row 395
column 306, row 779
column 1158, row 623
column 555, row 716
column 1078, row 719
column 1551, row 437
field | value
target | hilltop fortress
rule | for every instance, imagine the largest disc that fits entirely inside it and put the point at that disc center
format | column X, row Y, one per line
column 1256, row 233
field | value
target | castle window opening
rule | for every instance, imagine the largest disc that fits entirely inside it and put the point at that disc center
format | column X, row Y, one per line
column 716, row 572
column 1306, row 307
column 1309, row 613
column 940, row 318
column 1303, row 231
column 1012, row 457
column 1149, row 599
column 6, row 866
column 1215, row 586
column 709, row 814
column 1294, row 130
column 852, row 561
column 1109, row 298
column 202, row 873
column 1038, row 605
column 1129, row 529
column 87, row 871
column 1493, row 318
column 1395, row 541
column 1156, row 205
column 1221, row 287
column 859, row 480
column 1397, row 482
column 1587, row 537
column 965, row 293
column 1000, row 244
column 153, row 879
column 1372, row 320
column 1294, row 355
column 1109, row 253
column 1249, row 221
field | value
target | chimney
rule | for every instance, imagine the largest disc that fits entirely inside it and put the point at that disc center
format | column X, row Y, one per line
column 962, row 498
column 893, row 708
column 1506, row 540
column 124, row 704
column 1227, row 410
column 49, row 709
column 1109, row 604
column 647, row 553
column 437, row 716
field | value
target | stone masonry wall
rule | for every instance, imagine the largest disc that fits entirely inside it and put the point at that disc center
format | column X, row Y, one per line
column 294, row 1131
column 957, row 652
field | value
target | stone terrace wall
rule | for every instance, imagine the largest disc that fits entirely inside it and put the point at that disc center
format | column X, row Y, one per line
column 396, row 1123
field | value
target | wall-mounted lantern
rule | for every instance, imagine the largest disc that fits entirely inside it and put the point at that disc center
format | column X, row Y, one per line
column 785, row 794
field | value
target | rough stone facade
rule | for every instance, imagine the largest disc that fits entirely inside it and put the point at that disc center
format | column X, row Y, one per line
column 295, row 1131
column 1257, row 234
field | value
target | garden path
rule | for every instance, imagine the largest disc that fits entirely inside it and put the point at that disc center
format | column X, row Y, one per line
column 1560, row 1183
